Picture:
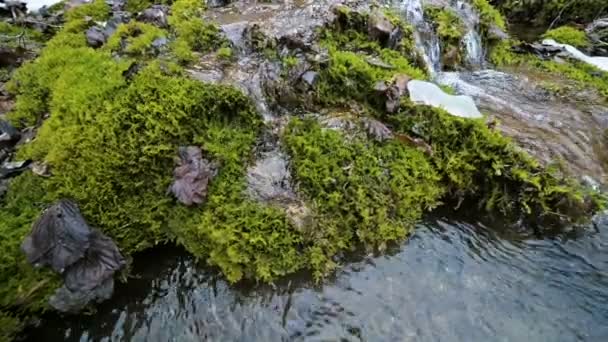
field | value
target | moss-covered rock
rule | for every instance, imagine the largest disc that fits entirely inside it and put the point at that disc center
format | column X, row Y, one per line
column 450, row 30
column 569, row 35
column 135, row 39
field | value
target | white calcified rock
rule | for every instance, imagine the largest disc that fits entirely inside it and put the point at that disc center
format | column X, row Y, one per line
column 598, row 62
column 427, row 93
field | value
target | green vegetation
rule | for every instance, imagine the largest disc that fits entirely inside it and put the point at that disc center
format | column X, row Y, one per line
column 545, row 12
column 137, row 37
column 582, row 74
column 9, row 327
column 9, row 33
column 225, row 53
column 350, row 52
column 97, row 10
column 364, row 193
column 489, row 16
column 569, row 35
column 450, row 30
column 192, row 33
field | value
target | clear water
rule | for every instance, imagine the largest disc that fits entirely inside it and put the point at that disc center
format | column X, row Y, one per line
column 452, row 281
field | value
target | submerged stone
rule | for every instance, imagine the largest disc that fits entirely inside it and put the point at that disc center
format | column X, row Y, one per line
column 427, row 93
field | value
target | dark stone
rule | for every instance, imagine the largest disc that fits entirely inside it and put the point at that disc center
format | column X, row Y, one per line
column 99, row 263
column 131, row 71
column 95, row 36
column 13, row 168
column 113, row 23
column 156, row 15
column 192, row 176
column 217, row 3
column 392, row 93
column 59, row 238
column 379, row 27
column 541, row 50
column 376, row 129
column 597, row 32
column 395, row 38
column 117, row 5
column 62, row 240
column 65, row 300
column 9, row 135
column 10, row 57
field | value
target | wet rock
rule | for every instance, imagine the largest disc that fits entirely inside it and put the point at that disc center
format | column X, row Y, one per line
column 3, row 155
column 65, row 300
column 235, row 33
column 62, row 240
column 540, row 50
column 597, row 32
column 269, row 179
column 9, row 135
column 427, row 93
column 192, row 176
column 379, row 27
column 59, row 238
column 95, row 37
column 117, row 5
column 11, row 169
column 99, row 263
column 217, row 3
column 310, row 78
column 8, row 7
column 118, row 18
column 395, row 38
column 155, row 15
column 376, row 129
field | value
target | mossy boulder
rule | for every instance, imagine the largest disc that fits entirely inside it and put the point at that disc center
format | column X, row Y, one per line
column 450, row 30
column 569, row 35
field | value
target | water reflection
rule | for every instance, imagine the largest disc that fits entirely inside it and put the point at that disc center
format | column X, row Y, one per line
column 451, row 281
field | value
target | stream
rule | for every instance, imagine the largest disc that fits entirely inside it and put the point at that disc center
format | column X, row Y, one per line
column 451, row 281
column 454, row 279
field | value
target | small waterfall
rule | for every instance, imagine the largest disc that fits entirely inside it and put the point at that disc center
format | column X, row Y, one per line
column 425, row 38
column 474, row 52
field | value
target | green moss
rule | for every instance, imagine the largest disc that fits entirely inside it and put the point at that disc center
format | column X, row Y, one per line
column 569, row 35
column 481, row 165
column 364, row 193
column 489, row 15
column 192, row 33
column 582, row 74
column 351, row 73
column 10, row 32
column 546, row 12
column 137, row 37
column 225, row 53
column 22, row 286
column 9, row 327
column 97, row 10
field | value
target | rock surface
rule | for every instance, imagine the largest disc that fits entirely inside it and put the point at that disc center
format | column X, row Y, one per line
column 599, row 62
column 62, row 240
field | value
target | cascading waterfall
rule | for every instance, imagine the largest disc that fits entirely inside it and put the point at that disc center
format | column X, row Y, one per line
column 425, row 38
column 428, row 43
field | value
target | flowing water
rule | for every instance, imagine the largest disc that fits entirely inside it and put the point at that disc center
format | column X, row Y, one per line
column 452, row 281
column 455, row 279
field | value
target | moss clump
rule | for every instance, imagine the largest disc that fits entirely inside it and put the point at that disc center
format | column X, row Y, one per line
column 569, row 35
column 450, row 30
column 192, row 33
column 489, row 16
column 136, row 38
column 365, row 193
column 355, row 60
column 97, row 10
column 481, row 165
column 9, row 327
column 225, row 53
